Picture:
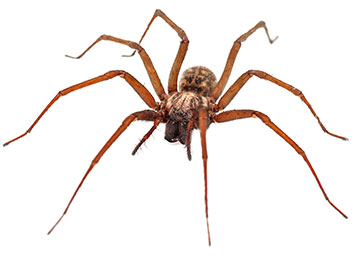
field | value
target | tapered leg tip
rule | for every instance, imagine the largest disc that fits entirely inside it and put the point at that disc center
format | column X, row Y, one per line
column 273, row 40
column 345, row 216
column 129, row 55
column 72, row 57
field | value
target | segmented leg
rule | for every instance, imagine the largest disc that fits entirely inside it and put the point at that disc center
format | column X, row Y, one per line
column 190, row 126
column 203, row 121
column 148, row 115
column 174, row 73
column 136, row 85
column 232, row 55
column 153, row 76
column 239, row 114
column 234, row 89
column 147, row 135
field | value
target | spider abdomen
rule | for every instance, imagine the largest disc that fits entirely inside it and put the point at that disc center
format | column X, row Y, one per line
column 198, row 79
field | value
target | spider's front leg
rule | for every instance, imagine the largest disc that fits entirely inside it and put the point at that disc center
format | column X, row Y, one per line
column 203, row 124
column 147, row 115
column 239, row 114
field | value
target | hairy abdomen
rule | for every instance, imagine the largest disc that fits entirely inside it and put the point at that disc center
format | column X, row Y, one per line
column 198, row 79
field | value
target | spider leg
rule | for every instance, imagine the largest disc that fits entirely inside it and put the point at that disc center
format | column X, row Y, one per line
column 233, row 54
column 190, row 126
column 136, row 85
column 147, row 135
column 174, row 73
column 153, row 76
column 239, row 114
column 234, row 89
column 148, row 115
column 203, row 121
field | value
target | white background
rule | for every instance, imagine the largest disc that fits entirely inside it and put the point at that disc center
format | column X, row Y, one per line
column 264, row 202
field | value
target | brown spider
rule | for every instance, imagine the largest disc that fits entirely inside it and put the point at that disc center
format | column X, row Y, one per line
column 193, row 106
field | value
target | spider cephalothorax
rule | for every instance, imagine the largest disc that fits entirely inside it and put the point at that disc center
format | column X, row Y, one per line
column 195, row 85
column 198, row 102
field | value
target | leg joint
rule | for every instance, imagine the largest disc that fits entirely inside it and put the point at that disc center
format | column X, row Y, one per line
column 135, row 46
column 184, row 39
column 297, row 92
column 112, row 73
column 262, row 116
column 183, row 36
column 238, row 41
column 301, row 152
column 159, row 12
column 261, row 24
column 104, row 37
column 257, row 73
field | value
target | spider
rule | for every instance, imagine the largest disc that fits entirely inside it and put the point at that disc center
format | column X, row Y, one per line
column 194, row 104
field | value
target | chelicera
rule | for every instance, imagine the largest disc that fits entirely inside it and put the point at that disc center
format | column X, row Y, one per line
column 195, row 104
